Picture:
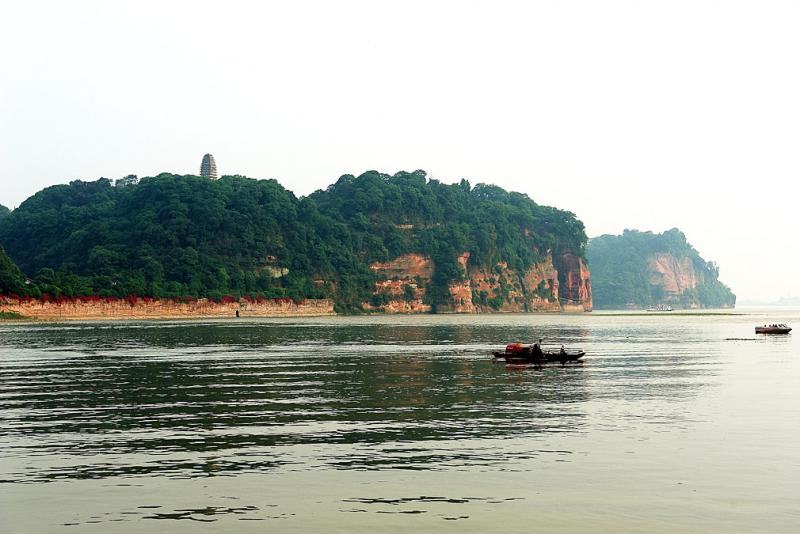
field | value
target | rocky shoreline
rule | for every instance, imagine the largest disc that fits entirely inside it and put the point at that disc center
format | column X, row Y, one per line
column 98, row 308
column 133, row 308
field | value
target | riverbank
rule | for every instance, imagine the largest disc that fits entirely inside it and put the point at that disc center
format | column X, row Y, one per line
column 136, row 308
column 147, row 308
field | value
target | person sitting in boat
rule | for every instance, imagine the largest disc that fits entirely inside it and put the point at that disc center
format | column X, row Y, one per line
column 536, row 351
column 562, row 355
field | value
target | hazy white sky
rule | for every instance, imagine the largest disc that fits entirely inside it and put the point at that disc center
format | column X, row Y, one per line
column 631, row 114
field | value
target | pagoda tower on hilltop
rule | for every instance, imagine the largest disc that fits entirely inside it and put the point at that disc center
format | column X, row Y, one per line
column 208, row 168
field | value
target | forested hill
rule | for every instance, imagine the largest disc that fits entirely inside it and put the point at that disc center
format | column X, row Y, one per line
column 388, row 216
column 641, row 269
column 12, row 281
column 4, row 211
column 171, row 236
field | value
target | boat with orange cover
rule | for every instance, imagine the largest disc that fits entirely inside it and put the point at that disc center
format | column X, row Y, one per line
column 523, row 353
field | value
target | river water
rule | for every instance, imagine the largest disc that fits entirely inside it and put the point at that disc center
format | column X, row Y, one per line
column 674, row 422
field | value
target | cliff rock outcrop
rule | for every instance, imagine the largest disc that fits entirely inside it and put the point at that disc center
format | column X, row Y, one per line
column 673, row 275
column 401, row 287
column 132, row 308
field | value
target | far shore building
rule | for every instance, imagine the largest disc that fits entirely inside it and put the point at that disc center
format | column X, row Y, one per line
column 208, row 168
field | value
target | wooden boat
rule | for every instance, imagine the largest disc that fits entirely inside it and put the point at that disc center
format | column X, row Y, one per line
column 521, row 353
column 773, row 329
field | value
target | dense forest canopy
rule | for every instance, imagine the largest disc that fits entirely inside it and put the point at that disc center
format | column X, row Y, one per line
column 622, row 275
column 12, row 281
column 170, row 235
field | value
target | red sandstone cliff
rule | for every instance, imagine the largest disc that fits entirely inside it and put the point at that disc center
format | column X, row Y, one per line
column 560, row 284
column 402, row 284
column 98, row 308
column 576, row 287
column 674, row 275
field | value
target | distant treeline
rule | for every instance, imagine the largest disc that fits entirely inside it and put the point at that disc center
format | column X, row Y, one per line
column 177, row 236
column 623, row 273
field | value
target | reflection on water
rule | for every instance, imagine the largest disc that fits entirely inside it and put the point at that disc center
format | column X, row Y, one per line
column 171, row 391
column 129, row 404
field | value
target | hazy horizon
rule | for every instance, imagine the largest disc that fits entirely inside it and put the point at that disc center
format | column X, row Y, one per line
column 630, row 115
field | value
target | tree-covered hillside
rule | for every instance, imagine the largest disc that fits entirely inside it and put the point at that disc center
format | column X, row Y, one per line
column 12, row 281
column 4, row 211
column 170, row 236
column 393, row 215
column 625, row 272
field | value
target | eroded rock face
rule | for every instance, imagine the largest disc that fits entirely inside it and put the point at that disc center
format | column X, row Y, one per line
column 543, row 287
column 401, row 288
column 576, row 285
column 79, row 309
column 405, row 266
column 673, row 275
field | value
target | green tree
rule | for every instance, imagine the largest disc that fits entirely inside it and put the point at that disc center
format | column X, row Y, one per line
column 12, row 281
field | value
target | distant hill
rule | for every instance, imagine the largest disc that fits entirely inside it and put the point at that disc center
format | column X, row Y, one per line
column 642, row 269
column 170, row 235
column 783, row 301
